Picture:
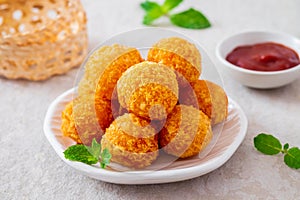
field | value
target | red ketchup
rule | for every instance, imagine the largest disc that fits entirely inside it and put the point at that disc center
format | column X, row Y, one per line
column 267, row 56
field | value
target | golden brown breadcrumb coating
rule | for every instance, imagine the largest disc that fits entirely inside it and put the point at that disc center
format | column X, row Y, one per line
column 187, row 131
column 131, row 141
column 104, row 113
column 93, row 122
column 107, row 63
column 108, row 79
column 210, row 98
column 92, row 108
column 68, row 125
column 104, row 109
column 86, row 120
column 180, row 55
column 149, row 90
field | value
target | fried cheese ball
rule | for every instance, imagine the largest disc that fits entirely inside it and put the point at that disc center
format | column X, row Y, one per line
column 86, row 121
column 180, row 55
column 92, row 108
column 104, row 67
column 104, row 112
column 68, row 125
column 93, row 122
column 210, row 99
column 187, row 131
column 87, row 133
column 149, row 90
column 131, row 141
column 108, row 80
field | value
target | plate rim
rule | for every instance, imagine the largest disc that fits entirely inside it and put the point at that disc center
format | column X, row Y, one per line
column 144, row 176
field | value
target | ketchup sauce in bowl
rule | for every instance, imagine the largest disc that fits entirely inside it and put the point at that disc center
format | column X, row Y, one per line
column 268, row 56
column 260, row 59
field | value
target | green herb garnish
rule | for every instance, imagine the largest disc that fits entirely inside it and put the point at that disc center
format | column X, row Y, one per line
column 88, row 154
column 269, row 145
column 153, row 12
column 105, row 158
column 191, row 18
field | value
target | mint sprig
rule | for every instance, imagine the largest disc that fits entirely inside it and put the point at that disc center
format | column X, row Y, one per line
column 153, row 12
column 170, row 4
column 270, row 145
column 191, row 18
column 88, row 154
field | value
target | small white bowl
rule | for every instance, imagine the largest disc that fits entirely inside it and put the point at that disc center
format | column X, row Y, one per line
column 258, row 79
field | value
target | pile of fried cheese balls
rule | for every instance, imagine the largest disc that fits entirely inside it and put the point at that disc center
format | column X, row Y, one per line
column 139, row 107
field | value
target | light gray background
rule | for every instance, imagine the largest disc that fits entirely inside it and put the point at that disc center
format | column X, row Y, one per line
column 30, row 169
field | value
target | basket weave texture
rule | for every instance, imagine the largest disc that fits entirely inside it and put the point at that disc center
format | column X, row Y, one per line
column 41, row 38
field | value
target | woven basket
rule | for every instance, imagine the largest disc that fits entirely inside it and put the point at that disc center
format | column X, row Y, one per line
column 41, row 38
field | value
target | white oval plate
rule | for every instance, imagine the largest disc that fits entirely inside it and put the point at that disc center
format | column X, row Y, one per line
column 229, row 139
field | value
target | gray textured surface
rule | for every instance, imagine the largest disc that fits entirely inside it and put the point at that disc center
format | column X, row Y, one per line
column 30, row 169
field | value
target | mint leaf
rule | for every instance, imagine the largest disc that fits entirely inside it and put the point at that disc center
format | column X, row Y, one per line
column 80, row 153
column 292, row 158
column 105, row 158
column 191, row 18
column 267, row 144
column 153, row 11
column 170, row 4
column 149, row 5
column 95, row 148
column 88, row 154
